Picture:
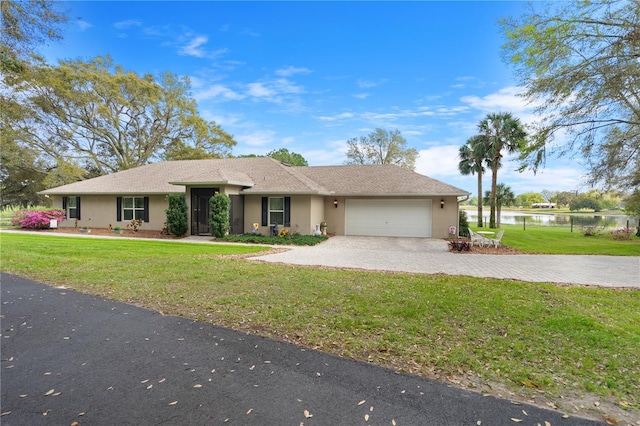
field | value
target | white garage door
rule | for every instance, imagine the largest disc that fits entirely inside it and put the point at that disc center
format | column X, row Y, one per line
column 388, row 218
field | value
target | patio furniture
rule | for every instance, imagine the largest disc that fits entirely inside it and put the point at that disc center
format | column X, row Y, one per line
column 479, row 239
column 496, row 241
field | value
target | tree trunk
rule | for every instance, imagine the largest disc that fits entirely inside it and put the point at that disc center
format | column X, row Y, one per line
column 480, row 199
column 498, row 214
column 494, row 184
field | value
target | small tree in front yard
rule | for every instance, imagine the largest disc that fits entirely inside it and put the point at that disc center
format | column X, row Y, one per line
column 219, row 207
column 177, row 215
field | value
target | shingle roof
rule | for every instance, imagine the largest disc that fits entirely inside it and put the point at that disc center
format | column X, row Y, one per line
column 384, row 179
column 261, row 175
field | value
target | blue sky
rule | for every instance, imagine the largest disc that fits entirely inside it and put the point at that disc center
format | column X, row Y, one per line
column 308, row 76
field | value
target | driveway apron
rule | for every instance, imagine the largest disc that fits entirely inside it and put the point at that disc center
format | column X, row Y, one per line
column 69, row 357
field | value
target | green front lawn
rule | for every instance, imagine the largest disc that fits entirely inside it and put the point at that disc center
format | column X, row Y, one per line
column 560, row 240
column 534, row 338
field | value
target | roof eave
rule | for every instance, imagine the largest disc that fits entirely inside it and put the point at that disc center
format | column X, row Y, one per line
column 400, row 194
column 125, row 192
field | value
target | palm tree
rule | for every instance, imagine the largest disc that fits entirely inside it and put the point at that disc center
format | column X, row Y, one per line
column 472, row 156
column 504, row 197
column 504, row 132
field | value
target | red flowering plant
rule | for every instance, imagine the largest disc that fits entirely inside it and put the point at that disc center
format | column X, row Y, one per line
column 36, row 219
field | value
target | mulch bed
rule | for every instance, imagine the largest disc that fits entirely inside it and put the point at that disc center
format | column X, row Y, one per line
column 501, row 249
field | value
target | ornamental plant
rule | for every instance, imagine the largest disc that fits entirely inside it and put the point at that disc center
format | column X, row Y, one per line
column 622, row 234
column 36, row 219
column 177, row 215
column 219, row 208
column 591, row 231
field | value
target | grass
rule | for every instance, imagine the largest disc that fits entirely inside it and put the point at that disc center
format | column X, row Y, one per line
column 560, row 240
column 533, row 338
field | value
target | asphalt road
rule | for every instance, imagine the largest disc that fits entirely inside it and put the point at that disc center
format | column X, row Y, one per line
column 69, row 357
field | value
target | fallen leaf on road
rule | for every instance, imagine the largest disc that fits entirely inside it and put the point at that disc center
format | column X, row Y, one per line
column 49, row 392
column 362, row 402
column 307, row 414
column 250, row 410
column 516, row 420
column 366, row 417
column 197, row 386
column 611, row 421
column 173, row 403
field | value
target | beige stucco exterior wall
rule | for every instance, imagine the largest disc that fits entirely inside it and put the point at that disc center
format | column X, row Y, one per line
column 334, row 215
column 306, row 212
column 441, row 218
column 99, row 211
column 444, row 217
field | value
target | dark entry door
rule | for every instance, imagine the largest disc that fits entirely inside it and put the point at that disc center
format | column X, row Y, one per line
column 200, row 210
column 236, row 215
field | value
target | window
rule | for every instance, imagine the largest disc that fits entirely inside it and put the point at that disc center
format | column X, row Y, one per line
column 133, row 208
column 71, row 207
column 276, row 211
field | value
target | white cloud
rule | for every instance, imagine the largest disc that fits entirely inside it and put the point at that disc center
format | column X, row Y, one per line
column 123, row 25
column 256, row 139
column 217, row 91
column 259, row 90
column 438, row 162
column 367, row 84
column 194, row 47
column 361, row 95
column 291, row 70
column 274, row 90
column 83, row 25
column 341, row 116
column 506, row 99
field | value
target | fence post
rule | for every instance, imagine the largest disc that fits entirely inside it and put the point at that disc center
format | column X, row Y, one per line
column 571, row 220
column 524, row 223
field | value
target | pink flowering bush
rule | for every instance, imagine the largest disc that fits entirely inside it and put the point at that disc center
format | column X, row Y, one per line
column 622, row 234
column 36, row 219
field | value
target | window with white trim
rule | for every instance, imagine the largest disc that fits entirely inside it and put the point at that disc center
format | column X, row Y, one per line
column 72, row 207
column 133, row 208
column 276, row 211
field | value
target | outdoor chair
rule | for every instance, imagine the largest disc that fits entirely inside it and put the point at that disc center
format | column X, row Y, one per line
column 496, row 241
column 478, row 239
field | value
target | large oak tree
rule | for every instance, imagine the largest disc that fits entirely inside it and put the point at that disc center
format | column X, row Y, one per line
column 579, row 62
column 107, row 119
column 381, row 147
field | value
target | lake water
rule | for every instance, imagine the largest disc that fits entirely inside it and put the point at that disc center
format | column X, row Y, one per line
column 553, row 219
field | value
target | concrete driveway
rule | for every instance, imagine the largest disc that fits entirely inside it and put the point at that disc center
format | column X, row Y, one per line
column 431, row 256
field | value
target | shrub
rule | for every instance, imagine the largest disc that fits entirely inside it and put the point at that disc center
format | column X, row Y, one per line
column 591, row 231
column 464, row 224
column 291, row 239
column 134, row 224
column 283, row 232
column 622, row 234
column 219, row 206
column 36, row 219
column 177, row 215
column 459, row 245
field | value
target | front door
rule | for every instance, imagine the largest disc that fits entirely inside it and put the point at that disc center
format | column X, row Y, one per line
column 236, row 215
column 200, row 210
